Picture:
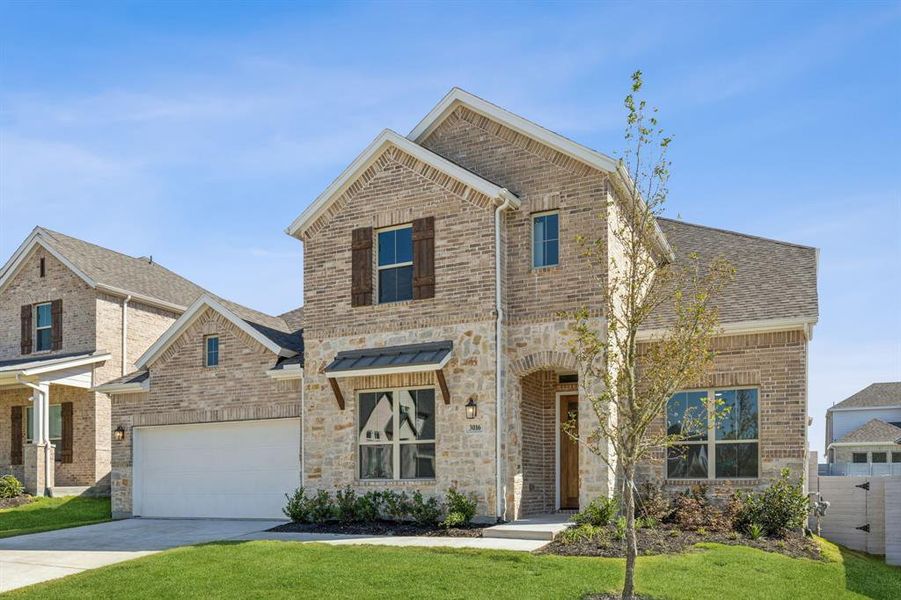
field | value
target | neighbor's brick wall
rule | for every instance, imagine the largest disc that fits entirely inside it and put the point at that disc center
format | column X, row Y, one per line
column 776, row 363
column 28, row 287
column 84, row 468
column 184, row 391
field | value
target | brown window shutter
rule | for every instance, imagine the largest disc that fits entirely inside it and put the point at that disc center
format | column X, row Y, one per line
column 424, row 258
column 15, row 449
column 27, row 315
column 361, row 266
column 56, row 325
column 68, row 432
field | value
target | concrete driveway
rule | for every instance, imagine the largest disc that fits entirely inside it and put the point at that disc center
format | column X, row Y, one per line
column 29, row 559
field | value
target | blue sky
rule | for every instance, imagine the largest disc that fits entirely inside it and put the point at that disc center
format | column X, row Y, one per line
column 197, row 132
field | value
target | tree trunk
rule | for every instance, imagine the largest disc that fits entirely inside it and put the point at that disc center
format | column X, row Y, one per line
column 631, row 541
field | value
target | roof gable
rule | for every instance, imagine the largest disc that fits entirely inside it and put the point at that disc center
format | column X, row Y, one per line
column 279, row 342
column 468, row 181
column 873, row 431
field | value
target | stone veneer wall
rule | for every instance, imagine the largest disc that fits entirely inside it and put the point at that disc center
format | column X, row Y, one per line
column 465, row 460
column 775, row 363
column 184, row 391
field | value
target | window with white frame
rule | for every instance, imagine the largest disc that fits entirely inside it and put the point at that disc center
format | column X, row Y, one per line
column 211, row 350
column 545, row 239
column 43, row 327
column 395, row 264
column 719, row 431
column 56, row 425
column 396, row 434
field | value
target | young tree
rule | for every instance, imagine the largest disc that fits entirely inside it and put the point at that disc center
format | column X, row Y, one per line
column 629, row 379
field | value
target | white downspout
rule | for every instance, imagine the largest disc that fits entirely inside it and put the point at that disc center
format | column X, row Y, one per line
column 303, row 423
column 500, row 494
column 125, row 334
column 41, row 422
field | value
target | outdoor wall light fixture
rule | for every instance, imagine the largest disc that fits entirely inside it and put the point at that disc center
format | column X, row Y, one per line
column 471, row 409
column 120, row 433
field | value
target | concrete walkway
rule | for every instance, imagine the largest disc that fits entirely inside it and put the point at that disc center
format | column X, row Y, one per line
column 29, row 559
column 481, row 543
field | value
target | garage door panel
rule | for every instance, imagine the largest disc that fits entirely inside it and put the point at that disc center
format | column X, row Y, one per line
column 216, row 470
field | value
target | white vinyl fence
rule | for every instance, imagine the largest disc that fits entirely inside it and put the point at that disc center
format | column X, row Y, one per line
column 864, row 513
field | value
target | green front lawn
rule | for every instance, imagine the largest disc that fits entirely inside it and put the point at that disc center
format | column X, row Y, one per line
column 295, row 570
column 45, row 514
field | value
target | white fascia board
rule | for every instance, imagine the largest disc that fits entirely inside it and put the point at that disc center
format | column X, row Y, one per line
column 37, row 237
column 846, row 444
column 743, row 327
column 389, row 370
column 457, row 96
column 65, row 364
column 286, row 373
column 370, row 154
column 123, row 388
column 853, row 408
column 192, row 314
column 140, row 298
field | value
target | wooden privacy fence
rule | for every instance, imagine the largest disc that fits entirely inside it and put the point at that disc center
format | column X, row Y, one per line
column 864, row 514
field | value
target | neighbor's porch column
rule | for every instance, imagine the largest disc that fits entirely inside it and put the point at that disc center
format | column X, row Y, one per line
column 39, row 454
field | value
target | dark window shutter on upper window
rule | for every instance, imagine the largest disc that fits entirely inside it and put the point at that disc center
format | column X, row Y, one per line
column 26, row 329
column 361, row 267
column 15, row 449
column 424, row 258
column 56, row 331
column 68, row 433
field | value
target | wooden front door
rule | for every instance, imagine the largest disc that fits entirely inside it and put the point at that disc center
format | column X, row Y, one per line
column 569, row 455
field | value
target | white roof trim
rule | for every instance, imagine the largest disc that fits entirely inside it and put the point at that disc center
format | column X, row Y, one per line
column 140, row 298
column 838, row 408
column 885, row 443
column 389, row 370
column 292, row 372
column 740, row 327
column 39, row 367
column 37, row 237
column 192, row 314
column 124, row 388
column 370, row 154
column 562, row 144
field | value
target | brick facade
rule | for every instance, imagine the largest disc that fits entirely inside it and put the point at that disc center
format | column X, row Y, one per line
column 183, row 390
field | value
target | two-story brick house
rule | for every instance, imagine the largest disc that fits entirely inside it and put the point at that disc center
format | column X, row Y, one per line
column 436, row 268
column 72, row 315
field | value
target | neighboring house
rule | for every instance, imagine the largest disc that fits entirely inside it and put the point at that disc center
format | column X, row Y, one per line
column 430, row 248
column 72, row 315
column 209, row 424
column 866, row 427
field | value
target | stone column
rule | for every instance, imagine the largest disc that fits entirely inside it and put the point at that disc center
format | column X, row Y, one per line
column 39, row 478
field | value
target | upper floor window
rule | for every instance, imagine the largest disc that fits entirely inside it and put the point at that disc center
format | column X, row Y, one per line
column 43, row 327
column 859, row 457
column 395, row 264
column 211, row 351
column 545, row 239
column 878, row 457
column 719, row 431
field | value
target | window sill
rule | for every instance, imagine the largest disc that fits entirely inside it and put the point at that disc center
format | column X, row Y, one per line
column 742, row 480
column 397, row 482
column 547, row 269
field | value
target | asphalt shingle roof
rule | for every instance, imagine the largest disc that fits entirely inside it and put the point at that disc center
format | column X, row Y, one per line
column 773, row 279
column 875, row 394
column 874, row 430
column 148, row 278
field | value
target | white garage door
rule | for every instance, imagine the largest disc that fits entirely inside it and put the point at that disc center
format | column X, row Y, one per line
column 239, row 469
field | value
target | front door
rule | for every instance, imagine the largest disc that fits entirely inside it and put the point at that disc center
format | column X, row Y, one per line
column 569, row 455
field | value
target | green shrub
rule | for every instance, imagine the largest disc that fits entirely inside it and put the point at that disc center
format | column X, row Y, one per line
column 346, row 505
column 781, row 507
column 369, row 506
column 621, row 528
column 460, row 508
column 580, row 533
column 397, row 505
column 425, row 512
column 321, row 508
column 755, row 531
column 599, row 512
column 646, row 523
column 298, row 506
column 10, row 487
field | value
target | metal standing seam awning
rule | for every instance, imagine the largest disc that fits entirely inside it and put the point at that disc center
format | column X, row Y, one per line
column 410, row 358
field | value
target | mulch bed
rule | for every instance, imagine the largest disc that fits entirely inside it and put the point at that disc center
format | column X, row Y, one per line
column 14, row 502
column 380, row 528
column 670, row 540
